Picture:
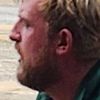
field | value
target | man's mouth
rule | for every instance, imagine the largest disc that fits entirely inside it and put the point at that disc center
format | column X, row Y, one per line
column 19, row 52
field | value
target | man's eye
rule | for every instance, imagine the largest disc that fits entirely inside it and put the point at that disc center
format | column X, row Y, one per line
column 27, row 25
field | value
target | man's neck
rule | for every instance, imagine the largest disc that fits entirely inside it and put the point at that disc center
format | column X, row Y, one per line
column 67, row 86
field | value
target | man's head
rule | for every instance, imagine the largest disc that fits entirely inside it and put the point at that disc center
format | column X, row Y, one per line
column 37, row 60
column 50, row 33
column 81, row 18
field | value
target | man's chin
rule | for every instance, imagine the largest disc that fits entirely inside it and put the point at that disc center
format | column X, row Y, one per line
column 30, row 82
column 24, row 80
column 20, row 75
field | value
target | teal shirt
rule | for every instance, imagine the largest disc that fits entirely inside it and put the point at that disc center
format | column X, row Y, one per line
column 89, row 88
column 43, row 96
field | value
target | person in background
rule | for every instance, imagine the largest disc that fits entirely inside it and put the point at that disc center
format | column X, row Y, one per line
column 59, row 46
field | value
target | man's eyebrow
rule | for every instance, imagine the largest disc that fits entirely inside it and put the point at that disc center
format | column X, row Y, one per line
column 22, row 1
column 23, row 18
column 20, row 16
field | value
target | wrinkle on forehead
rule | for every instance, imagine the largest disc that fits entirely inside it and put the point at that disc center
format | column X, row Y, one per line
column 30, row 10
column 23, row 0
column 30, row 5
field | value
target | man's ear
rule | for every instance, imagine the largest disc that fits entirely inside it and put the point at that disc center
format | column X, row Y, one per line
column 64, row 42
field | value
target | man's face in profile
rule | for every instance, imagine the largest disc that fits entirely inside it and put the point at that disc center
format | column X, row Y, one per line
column 36, row 61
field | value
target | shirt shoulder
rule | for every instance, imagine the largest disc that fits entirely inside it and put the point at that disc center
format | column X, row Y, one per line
column 43, row 96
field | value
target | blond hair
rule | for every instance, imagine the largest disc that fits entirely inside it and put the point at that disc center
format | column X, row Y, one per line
column 81, row 17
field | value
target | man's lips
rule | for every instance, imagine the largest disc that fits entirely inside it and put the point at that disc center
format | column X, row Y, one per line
column 19, row 51
column 17, row 48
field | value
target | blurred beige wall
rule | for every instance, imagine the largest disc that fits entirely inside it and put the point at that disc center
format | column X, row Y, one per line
column 8, row 2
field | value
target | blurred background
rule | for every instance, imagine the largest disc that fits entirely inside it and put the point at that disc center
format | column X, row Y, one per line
column 10, row 89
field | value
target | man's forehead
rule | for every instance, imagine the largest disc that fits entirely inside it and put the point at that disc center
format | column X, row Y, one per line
column 29, row 8
column 23, row 1
column 28, row 4
column 29, row 0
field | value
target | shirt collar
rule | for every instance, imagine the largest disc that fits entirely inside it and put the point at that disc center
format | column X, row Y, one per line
column 90, row 84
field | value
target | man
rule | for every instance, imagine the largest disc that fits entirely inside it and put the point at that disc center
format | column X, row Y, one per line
column 59, row 46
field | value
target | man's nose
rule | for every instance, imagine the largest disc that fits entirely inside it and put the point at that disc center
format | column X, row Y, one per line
column 15, row 36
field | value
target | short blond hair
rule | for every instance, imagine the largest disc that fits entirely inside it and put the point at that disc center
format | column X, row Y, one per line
column 81, row 17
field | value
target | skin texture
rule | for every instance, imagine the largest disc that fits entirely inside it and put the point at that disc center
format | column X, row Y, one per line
column 30, row 35
column 46, row 64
